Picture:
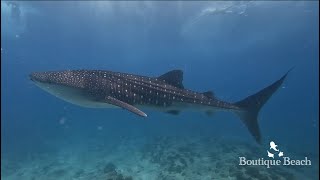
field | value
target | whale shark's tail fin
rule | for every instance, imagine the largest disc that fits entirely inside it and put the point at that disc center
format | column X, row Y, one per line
column 252, row 105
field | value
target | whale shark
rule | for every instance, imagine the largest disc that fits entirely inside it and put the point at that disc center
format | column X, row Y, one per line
column 166, row 93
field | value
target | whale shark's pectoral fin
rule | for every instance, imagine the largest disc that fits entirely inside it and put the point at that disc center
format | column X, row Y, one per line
column 124, row 105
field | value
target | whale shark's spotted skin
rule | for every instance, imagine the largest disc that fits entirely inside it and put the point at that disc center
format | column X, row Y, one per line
column 129, row 88
column 98, row 88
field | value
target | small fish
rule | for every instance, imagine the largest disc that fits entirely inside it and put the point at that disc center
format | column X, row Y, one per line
column 104, row 89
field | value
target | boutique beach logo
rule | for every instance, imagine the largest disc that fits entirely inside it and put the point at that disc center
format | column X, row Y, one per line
column 276, row 157
column 273, row 147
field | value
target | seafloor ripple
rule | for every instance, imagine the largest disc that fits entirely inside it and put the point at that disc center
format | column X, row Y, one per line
column 140, row 158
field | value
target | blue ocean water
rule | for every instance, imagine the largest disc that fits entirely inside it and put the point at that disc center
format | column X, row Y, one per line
column 232, row 48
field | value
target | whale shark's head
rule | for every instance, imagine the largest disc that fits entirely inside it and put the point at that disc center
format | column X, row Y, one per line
column 53, row 77
column 69, row 78
column 38, row 77
column 71, row 86
column 57, row 82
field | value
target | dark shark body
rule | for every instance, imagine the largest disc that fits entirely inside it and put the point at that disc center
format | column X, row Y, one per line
column 103, row 89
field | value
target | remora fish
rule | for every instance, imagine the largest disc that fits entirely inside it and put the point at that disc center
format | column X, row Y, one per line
column 103, row 89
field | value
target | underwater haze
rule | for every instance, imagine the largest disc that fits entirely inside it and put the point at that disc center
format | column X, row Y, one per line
column 231, row 48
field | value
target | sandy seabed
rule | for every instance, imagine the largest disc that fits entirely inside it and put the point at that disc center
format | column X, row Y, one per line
column 148, row 158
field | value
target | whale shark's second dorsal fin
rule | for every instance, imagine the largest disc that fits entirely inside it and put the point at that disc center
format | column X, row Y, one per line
column 173, row 78
column 209, row 94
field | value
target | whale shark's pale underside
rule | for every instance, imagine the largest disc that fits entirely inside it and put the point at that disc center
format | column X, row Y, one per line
column 103, row 89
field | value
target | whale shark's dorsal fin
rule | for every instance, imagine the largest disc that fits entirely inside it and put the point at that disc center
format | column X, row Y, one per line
column 209, row 94
column 117, row 102
column 173, row 78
